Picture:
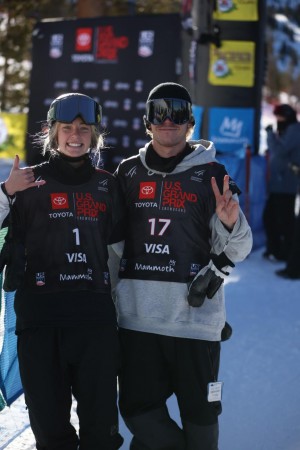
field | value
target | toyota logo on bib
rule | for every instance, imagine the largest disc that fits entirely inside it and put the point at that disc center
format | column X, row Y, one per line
column 147, row 189
column 59, row 200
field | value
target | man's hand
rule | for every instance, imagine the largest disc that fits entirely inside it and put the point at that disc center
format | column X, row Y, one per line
column 20, row 178
column 208, row 281
column 227, row 209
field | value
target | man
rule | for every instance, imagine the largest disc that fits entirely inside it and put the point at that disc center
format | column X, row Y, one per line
column 179, row 225
column 279, row 212
column 292, row 269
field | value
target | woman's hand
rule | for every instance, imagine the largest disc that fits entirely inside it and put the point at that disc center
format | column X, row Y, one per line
column 20, row 178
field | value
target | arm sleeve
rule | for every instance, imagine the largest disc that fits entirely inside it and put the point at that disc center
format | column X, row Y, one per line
column 236, row 244
column 4, row 207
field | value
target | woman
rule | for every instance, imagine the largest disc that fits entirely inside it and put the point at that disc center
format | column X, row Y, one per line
column 66, row 321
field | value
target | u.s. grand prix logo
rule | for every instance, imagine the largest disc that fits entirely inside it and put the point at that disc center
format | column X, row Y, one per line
column 147, row 190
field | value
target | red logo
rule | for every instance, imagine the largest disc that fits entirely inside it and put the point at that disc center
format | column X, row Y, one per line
column 83, row 39
column 147, row 189
column 108, row 43
column 59, row 201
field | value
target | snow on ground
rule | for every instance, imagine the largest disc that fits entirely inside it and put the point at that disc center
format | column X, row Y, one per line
column 260, row 367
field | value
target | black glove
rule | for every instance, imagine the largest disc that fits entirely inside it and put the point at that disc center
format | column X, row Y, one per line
column 207, row 282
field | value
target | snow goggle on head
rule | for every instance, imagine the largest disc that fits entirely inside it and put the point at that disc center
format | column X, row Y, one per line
column 68, row 107
column 178, row 111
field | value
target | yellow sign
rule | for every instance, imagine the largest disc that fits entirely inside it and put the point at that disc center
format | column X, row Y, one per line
column 12, row 135
column 232, row 64
column 244, row 10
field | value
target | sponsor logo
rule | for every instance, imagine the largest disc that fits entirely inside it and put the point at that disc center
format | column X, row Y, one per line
column 111, row 104
column 76, row 257
column 121, row 86
column 106, row 278
column 59, row 200
column 108, row 44
column 84, row 58
column 123, row 263
column 146, row 205
column 157, row 248
column 78, row 276
column 84, row 39
column 155, row 268
column 131, row 172
column 194, row 269
column 146, row 43
column 40, row 278
column 118, row 123
column 231, row 127
column 86, row 206
column 147, row 189
column 90, row 85
column 198, row 176
column 61, row 84
column 174, row 196
column 72, row 277
column 56, row 45
column 103, row 185
column 58, row 215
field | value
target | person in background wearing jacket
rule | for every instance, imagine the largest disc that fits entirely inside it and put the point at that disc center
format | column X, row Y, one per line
column 66, row 320
column 292, row 269
column 184, row 233
column 279, row 211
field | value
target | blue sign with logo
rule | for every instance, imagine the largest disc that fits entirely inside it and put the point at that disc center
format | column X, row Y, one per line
column 231, row 129
column 198, row 114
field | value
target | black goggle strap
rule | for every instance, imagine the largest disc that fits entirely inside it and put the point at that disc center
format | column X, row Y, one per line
column 67, row 109
column 158, row 110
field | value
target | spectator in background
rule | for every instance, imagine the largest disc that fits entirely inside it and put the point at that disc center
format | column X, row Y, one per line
column 292, row 269
column 279, row 213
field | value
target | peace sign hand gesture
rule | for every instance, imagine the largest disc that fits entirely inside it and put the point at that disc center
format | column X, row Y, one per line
column 227, row 209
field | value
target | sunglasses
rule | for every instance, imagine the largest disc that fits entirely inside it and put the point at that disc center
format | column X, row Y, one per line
column 68, row 108
column 178, row 111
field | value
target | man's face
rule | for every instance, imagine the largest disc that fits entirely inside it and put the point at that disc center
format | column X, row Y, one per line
column 168, row 136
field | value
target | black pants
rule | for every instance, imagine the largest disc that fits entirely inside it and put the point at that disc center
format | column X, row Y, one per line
column 279, row 221
column 153, row 368
column 293, row 263
column 58, row 362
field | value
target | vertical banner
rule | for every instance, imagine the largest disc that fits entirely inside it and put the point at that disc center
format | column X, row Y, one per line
column 224, row 58
column 197, row 113
column 115, row 60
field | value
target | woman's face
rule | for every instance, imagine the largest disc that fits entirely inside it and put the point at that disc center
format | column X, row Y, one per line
column 74, row 139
